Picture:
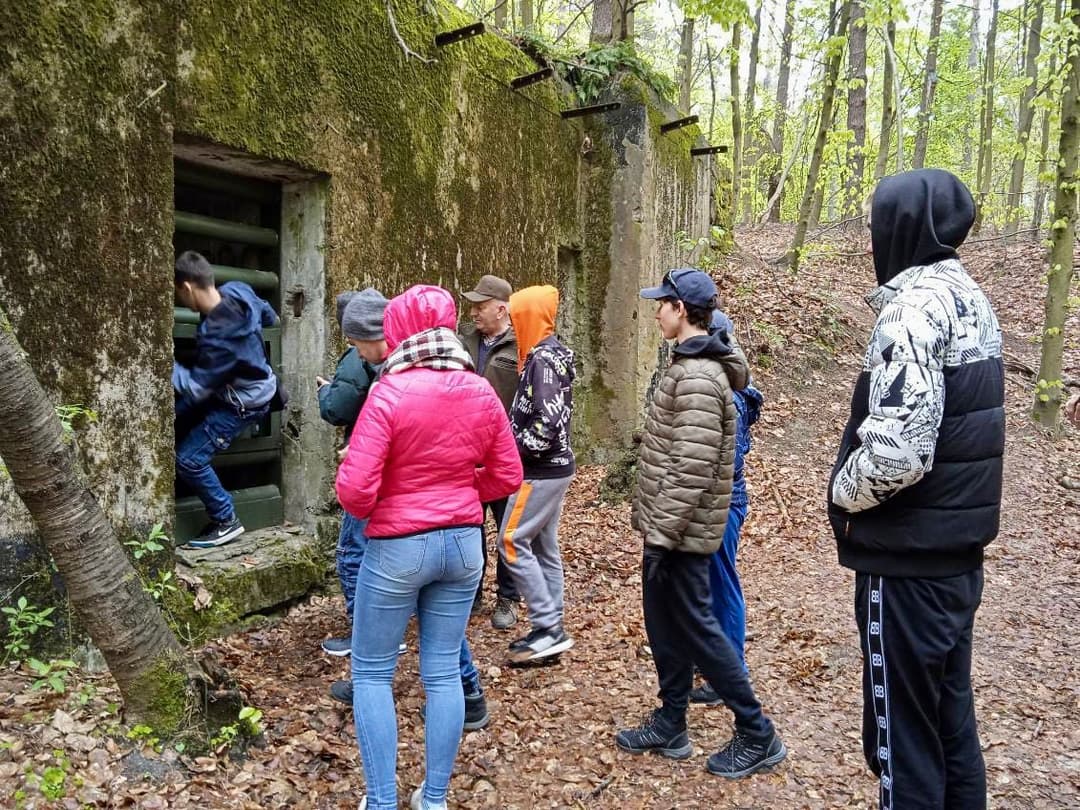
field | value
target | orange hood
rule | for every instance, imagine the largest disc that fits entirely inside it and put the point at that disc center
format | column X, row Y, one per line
column 532, row 312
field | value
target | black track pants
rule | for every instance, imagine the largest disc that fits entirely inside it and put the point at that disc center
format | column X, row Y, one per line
column 919, row 733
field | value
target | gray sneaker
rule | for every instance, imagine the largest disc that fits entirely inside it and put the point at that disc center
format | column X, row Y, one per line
column 505, row 616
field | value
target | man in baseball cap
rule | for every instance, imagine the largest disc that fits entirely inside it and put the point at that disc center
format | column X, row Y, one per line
column 492, row 344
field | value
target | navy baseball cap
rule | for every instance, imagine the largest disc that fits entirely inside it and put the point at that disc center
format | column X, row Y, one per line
column 687, row 284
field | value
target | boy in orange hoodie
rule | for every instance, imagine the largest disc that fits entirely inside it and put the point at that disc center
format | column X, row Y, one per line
column 540, row 418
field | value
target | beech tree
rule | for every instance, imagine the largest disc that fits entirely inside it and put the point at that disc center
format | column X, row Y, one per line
column 162, row 686
column 930, row 81
column 1050, row 388
column 1025, row 116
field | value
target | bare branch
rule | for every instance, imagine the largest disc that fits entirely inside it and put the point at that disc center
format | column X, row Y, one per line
column 404, row 47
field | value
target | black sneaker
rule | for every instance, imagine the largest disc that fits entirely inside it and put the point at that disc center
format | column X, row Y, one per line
column 656, row 734
column 704, row 694
column 476, row 713
column 218, row 534
column 540, row 643
column 744, row 755
column 337, row 647
column 342, row 691
column 504, row 617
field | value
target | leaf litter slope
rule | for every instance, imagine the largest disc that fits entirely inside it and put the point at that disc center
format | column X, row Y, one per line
column 550, row 740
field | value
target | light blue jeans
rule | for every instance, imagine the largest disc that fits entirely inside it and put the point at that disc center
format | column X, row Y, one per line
column 434, row 575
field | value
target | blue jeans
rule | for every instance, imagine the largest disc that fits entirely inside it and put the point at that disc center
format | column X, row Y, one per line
column 352, row 542
column 213, row 429
column 727, row 597
column 434, row 575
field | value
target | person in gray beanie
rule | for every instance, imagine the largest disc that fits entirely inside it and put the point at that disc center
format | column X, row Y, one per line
column 360, row 316
column 362, row 324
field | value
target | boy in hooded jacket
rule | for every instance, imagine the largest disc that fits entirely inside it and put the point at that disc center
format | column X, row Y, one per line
column 680, row 508
column 728, row 604
column 540, row 418
column 228, row 388
column 915, row 495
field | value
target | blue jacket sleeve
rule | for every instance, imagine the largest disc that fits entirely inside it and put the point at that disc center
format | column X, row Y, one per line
column 341, row 400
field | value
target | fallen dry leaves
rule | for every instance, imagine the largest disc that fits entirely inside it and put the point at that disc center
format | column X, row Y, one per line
column 550, row 740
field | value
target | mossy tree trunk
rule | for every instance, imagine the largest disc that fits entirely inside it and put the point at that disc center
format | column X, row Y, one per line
column 160, row 687
column 930, row 80
column 779, row 122
column 985, row 169
column 749, row 127
column 736, row 116
column 828, row 97
column 1049, row 391
column 1025, row 119
column 888, row 102
column 856, row 110
column 686, row 64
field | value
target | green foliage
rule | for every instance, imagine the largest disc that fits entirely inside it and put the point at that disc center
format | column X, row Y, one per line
column 54, row 674
column 158, row 588
column 595, row 70
column 143, row 734
column 151, row 545
column 248, row 726
column 68, row 414
column 724, row 13
column 24, row 621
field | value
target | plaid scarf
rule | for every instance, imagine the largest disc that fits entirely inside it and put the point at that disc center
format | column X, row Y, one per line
column 437, row 348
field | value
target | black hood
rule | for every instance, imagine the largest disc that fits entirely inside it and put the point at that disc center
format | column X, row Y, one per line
column 918, row 218
column 715, row 344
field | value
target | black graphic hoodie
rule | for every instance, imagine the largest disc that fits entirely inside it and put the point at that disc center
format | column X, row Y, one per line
column 544, row 401
column 916, row 490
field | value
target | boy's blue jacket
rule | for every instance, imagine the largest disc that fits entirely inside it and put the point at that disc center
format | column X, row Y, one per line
column 231, row 362
column 748, row 403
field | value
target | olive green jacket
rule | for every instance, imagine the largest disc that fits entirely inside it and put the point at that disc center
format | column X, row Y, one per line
column 501, row 367
column 687, row 453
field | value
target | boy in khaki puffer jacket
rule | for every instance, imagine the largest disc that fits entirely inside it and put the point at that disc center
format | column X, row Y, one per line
column 680, row 507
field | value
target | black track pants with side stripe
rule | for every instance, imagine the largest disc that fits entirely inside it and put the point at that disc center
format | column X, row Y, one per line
column 919, row 732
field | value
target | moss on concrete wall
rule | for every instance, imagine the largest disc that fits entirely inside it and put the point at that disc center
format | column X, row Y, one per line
column 85, row 240
column 438, row 171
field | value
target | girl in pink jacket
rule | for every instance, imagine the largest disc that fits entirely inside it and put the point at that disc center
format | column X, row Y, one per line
column 432, row 444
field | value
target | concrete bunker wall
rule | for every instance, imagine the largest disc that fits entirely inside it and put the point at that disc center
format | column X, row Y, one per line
column 400, row 171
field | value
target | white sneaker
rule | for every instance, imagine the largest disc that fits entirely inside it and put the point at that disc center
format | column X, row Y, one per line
column 416, row 802
column 363, row 804
column 402, row 648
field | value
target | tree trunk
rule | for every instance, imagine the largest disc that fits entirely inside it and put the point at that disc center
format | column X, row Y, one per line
column 888, row 103
column 712, row 88
column 686, row 64
column 748, row 120
column 832, row 73
column 783, row 79
column 498, row 16
column 1044, row 142
column 1048, row 394
column 159, row 687
column 856, row 110
column 984, row 171
column 526, row 15
column 974, row 46
column 1025, row 119
column 930, row 80
column 736, row 116
column 600, row 32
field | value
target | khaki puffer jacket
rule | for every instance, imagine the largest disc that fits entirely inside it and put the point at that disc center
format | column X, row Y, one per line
column 687, row 454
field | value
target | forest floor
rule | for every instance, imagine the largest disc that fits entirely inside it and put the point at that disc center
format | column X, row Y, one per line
column 550, row 740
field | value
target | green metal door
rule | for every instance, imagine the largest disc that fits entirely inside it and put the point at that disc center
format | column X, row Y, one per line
column 234, row 222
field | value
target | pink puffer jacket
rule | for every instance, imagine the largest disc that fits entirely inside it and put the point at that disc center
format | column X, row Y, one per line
column 429, row 446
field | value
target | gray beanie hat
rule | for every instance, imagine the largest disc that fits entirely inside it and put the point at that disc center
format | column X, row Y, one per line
column 343, row 300
column 363, row 318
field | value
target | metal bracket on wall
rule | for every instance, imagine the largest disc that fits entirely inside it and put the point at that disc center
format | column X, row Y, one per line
column 578, row 112
column 458, row 34
column 708, row 150
column 531, row 78
column 678, row 123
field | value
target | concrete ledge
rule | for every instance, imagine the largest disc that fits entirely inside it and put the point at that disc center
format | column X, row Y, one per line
column 254, row 574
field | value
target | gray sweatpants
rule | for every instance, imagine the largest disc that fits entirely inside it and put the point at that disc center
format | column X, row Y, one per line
column 529, row 544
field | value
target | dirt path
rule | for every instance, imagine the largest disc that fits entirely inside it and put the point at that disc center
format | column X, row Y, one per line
column 550, row 742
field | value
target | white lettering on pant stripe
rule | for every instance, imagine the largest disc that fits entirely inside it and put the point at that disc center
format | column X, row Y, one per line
column 875, row 642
